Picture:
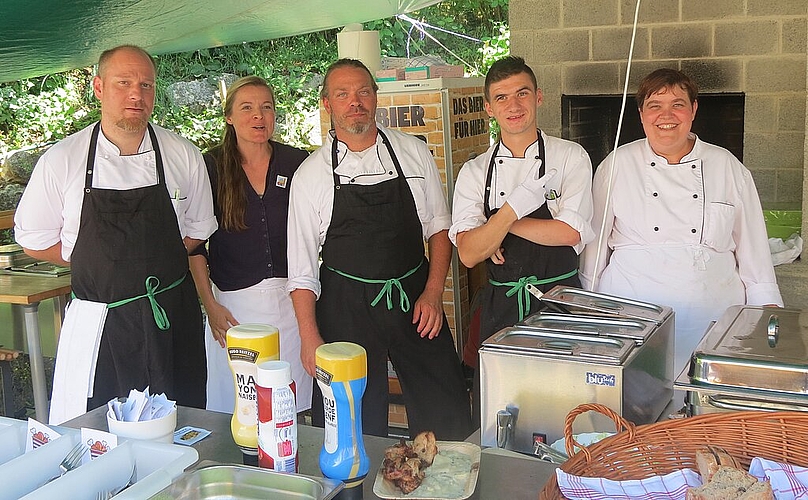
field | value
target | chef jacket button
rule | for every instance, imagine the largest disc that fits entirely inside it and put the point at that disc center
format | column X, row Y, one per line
column 502, row 193
column 656, row 194
column 535, row 157
column 352, row 181
column 693, row 231
column 695, row 195
column 500, row 162
column 653, row 163
column 692, row 166
column 656, row 228
column 390, row 172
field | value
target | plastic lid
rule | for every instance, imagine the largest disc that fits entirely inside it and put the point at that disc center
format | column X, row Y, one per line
column 274, row 374
column 251, row 331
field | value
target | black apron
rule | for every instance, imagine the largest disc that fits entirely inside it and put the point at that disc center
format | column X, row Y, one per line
column 126, row 236
column 375, row 234
column 551, row 265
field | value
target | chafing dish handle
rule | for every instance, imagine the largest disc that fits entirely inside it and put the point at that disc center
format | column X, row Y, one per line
column 713, row 400
column 504, row 427
column 773, row 330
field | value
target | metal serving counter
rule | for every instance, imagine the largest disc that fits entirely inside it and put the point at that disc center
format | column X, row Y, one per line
column 502, row 474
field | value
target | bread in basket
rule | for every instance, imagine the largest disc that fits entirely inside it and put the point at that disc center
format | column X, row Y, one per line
column 639, row 452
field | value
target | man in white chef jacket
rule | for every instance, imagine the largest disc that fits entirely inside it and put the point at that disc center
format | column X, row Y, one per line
column 367, row 201
column 683, row 223
column 524, row 207
column 122, row 202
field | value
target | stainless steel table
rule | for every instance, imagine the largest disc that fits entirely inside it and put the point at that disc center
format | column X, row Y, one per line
column 502, row 476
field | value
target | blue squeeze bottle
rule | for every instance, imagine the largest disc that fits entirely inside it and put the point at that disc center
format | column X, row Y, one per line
column 342, row 377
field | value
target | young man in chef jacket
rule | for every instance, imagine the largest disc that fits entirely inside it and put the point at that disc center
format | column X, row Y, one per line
column 525, row 206
column 683, row 224
column 122, row 202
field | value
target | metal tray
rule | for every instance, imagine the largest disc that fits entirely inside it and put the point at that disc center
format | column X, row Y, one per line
column 758, row 348
column 555, row 344
column 568, row 298
column 239, row 482
column 612, row 326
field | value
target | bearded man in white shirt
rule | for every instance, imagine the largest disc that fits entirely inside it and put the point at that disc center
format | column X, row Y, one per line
column 122, row 202
column 369, row 198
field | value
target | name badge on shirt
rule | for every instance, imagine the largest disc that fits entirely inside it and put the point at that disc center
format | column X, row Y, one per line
column 280, row 181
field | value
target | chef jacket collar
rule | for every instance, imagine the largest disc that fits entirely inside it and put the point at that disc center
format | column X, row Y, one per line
column 376, row 160
column 105, row 146
column 693, row 155
column 532, row 151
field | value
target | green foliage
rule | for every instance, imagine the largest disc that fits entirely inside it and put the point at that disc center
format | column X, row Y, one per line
column 49, row 108
column 45, row 109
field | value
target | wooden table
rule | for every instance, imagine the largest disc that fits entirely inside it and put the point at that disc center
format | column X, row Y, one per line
column 27, row 292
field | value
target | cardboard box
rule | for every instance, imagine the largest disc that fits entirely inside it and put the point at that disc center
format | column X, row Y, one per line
column 416, row 73
column 450, row 71
column 389, row 75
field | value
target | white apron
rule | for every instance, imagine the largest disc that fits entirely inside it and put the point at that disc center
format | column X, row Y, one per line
column 266, row 302
column 697, row 282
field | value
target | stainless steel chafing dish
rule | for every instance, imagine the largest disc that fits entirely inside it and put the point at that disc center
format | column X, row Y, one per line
column 586, row 347
column 752, row 358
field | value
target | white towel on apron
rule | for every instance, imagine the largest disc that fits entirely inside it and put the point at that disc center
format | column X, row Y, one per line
column 268, row 303
column 74, row 374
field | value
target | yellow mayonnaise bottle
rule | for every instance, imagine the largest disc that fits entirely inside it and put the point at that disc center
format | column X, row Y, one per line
column 248, row 345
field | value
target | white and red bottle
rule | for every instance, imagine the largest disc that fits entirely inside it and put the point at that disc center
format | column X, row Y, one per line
column 277, row 417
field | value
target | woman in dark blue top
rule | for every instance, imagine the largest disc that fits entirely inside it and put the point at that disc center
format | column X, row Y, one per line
column 245, row 258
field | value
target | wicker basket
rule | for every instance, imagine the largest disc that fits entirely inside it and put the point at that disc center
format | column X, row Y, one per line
column 657, row 449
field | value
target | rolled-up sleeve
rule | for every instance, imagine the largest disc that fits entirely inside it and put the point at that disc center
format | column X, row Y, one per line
column 306, row 228
column 199, row 219
column 468, row 211
column 39, row 219
column 434, row 210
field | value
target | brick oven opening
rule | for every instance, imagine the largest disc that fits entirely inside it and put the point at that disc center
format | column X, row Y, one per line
column 591, row 121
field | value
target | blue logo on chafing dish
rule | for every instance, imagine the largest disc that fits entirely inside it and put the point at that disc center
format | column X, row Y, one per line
column 600, row 379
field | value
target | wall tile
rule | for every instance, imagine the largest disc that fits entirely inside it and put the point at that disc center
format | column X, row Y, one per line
column 554, row 46
column 651, row 11
column 747, row 38
column 715, row 75
column 576, row 13
column 614, row 43
column 776, row 74
column 681, row 41
column 593, row 78
column 712, row 9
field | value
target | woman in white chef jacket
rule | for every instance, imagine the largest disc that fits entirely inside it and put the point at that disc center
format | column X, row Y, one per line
column 246, row 257
column 683, row 226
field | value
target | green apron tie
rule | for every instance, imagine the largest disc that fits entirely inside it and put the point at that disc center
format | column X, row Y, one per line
column 387, row 289
column 152, row 285
column 521, row 286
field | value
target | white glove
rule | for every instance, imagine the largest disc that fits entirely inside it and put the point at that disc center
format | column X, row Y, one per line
column 529, row 195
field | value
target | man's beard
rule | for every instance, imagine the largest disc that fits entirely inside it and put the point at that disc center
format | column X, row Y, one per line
column 132, row 124
column 358, row 128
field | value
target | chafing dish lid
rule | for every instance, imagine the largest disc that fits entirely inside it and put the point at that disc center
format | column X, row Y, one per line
column 763, row 348
column 570, row 346
column 612, row 326
column 576, row 298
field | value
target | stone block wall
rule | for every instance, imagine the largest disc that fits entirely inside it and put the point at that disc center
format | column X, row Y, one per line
column 759, row 47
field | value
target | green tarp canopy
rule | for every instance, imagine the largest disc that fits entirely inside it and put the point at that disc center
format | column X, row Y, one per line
column 47, row 36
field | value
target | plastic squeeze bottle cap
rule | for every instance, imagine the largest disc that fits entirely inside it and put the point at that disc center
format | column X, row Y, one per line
column 274, row 374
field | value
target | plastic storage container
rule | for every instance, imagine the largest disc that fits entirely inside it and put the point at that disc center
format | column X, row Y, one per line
column 26, row 475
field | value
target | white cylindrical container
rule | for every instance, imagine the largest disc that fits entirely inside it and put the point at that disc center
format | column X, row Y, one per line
column 355, row 43
column 277, row 417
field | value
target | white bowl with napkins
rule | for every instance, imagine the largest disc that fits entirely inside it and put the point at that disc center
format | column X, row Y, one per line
column 161, row 429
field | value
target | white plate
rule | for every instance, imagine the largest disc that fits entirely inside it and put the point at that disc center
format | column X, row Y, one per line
column 383, row 488
column 585, row 439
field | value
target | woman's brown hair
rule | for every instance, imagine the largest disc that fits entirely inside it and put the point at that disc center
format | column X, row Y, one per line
column 232, row 181
column 664, row 78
